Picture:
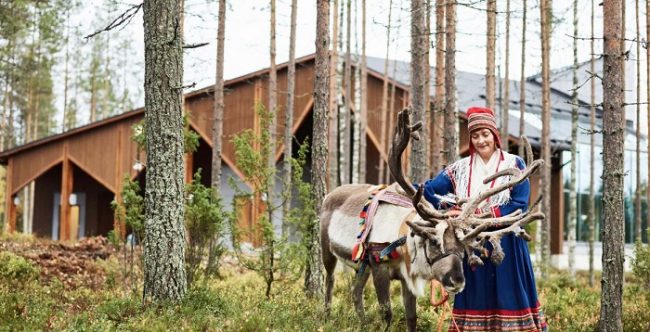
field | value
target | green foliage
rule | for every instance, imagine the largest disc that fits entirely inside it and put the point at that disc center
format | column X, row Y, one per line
column 641, row 265
column 204, row 223
column 303, row 217
column 16, row 270
column 272, row 259
column 130, row 210
column 190, row 137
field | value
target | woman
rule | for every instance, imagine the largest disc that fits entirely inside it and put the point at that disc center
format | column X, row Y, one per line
column 496, row 297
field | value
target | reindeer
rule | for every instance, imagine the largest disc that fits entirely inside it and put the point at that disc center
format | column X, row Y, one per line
column 431, row 244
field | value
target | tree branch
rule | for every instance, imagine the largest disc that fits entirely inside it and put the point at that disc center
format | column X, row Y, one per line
column 123, row 19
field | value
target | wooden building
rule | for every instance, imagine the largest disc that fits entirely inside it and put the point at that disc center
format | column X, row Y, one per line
column 78, row 173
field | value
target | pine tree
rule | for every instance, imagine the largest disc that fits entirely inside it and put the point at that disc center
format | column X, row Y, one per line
column 364, row 98
column 451, row 119
column 218, row 106
column 490, row 80
column 164, row 244
column 505, row 104
column 592, row 157
column 333, row 179
column 383, row 137
column 344, row 114
column 613, row 228
column 546, row 15
column 314, row 276
column 288, row 118
column 439, row 100
column 637, row 196
column 418, row 157
column 522, row 81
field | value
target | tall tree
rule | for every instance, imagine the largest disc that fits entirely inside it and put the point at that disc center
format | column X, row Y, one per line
column 333, row 179
column 505, row 105
column 451, row 119
column 364, row 98
column 571, row 236
column 314, row 275
column 356, row 119
column 164, row 243
column 273, row 124
column 591, row 218
column 546, row 16
column 522, row 80
column 418, row 157
column 288, row 117
column 383, row 137
column 344, row 117
column 613, row 228
column 490, row 80
column 439, row 100
column 637, row 196
column 218, row 106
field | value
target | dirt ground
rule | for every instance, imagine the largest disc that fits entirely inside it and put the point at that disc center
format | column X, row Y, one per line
column 73, row 264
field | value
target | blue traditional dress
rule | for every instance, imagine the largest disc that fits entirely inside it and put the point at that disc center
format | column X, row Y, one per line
column 496, row 297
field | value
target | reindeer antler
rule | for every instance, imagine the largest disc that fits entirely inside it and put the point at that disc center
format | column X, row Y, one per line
column 471, row 230
column 403, row 132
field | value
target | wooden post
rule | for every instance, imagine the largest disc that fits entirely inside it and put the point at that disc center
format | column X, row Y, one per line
column 189, row 166
column 66, row 190
column 10, row 209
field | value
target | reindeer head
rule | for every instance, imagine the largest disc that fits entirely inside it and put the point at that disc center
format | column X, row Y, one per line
column 439, row 239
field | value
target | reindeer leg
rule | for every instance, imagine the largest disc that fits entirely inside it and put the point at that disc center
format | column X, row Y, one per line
column 329, row 260
column 357, row 293
column 381, row 280
column 409, row 301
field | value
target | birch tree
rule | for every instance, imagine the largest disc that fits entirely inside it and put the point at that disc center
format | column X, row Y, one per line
column 418, row 157
column 218, row 106
column 344, row 114
column 273, row 124
column 164, row 243
column 637, row 196
column 571, row 236
column 314, row 276
column 613, row 171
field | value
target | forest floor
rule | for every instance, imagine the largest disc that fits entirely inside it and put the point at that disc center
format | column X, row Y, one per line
column 92, row 286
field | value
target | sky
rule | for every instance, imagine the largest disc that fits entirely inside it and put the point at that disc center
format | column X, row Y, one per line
column 248, row 30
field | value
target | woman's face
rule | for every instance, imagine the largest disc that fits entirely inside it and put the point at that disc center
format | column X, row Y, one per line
column 483, row 141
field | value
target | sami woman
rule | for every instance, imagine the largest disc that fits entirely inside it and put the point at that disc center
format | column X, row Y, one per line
column 496, row 297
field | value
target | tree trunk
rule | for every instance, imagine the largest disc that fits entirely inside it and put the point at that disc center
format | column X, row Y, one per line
column 344, row 119
column 571, row 236
column 164, row 243
column 356, row 119
column 273, row 124
column 333, row 179
column 522, row 85
column 218, row 106
column 364, row 98
column 383, row 137
column 66, row 73
column 314, row 279
column 288, row 119
column 451, row 119
column 490, row 81
column 439, row 108
column 505, row 105
column 591, row 221
column 418, row 157
column 637, row 196
column 546, row 15
column 613, row 227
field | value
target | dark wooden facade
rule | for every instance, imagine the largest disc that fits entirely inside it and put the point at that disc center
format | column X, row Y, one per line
column 95, row 158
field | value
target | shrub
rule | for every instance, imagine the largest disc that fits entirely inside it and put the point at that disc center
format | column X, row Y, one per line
column 16, row 270
column 204, row 222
